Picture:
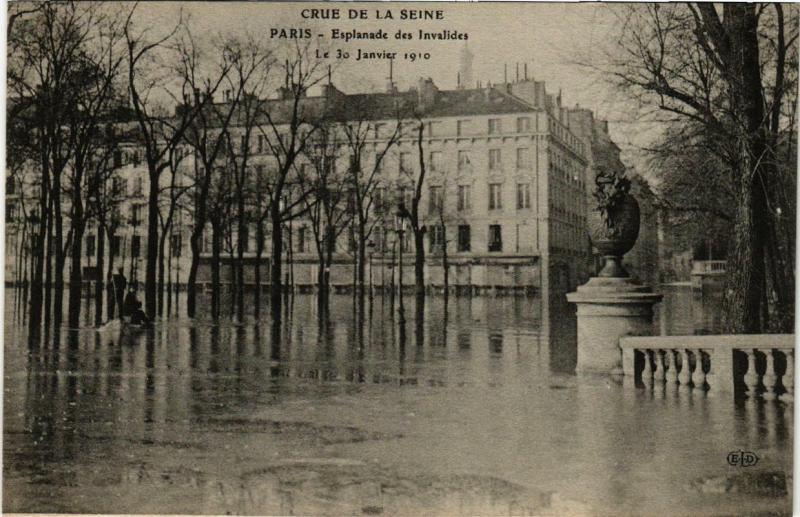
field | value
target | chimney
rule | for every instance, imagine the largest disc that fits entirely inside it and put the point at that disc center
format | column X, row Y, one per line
column 516, row 80
column 526, row 71
column 390, row 86
column 427, row 92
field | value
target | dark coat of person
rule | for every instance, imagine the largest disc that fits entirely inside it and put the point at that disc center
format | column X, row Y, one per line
column 120, row 283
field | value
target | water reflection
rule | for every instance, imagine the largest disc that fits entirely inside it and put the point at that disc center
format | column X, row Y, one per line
column 356, row 409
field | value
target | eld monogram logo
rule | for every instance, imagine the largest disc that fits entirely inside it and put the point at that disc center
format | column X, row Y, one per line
column 742, row 459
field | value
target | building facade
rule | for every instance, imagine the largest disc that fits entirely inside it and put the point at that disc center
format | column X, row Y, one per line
column 508, row 169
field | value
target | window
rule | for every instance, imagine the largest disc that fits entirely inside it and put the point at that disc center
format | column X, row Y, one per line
column 495, row 127
column 462, row 127
column 136, row 214
column 435, row 238
column 405, row 162
column 378, row 200
column 495, row 196
column 136, row 245
column 523, row 124
column 523, row 158
column 117, row 158
column 175, row 244
column 435, row 199
column 301, row 240
column 10, row 186
column 11, row 212
column 464, row 237
column 379, row 130
column 434, row 128
column 495, row 238
column 464, row 198
column 405, row 197
column 435, row 161
column 136, row 159
column 246, row 238
column 260, row 145
column 523, row 195
column 90, row 245
column 137, row 186
column 384, row 244
column 463, row 160
column 495, row 159
column 245, row 144
column 116, row 245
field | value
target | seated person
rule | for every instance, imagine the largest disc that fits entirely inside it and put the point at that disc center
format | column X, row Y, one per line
column 133, row 308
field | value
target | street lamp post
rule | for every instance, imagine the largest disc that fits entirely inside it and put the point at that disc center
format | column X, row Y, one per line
column 400, row 228
column 371, row 248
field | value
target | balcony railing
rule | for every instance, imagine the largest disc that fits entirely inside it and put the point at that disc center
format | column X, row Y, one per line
column 712, row 362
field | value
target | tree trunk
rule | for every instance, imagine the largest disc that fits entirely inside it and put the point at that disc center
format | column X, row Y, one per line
column 362, row 252
column 48, row 279
column 445, row 266
column 257, row 269
column 240, row 244
column 277, row 258
column 419, row 261
column 110, row 297
column 216, row 251
column 99, row 286
column 191, row 282
column 75, row 275
column 745, row 282
column 161, row 280
column 38, row 257
column 152, row 246
column 58, row 274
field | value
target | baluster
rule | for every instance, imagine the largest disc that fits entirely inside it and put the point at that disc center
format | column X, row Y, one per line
column 769, row 379
column 647, row 370
column 698, row 377
column 671, row 364
column 788, row 377
column 751, row 377
column 658, row 375
column 684, row 376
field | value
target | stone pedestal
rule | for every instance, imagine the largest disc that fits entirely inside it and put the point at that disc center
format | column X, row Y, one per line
column 608, row 309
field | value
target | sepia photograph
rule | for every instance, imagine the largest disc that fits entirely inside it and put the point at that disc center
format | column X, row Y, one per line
column 399, row 258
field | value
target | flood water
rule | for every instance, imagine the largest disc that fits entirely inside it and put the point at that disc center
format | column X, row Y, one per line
column 474, row 410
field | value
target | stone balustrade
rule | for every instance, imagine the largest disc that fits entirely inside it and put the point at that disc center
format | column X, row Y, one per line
column 761, row 365
column 709, row 267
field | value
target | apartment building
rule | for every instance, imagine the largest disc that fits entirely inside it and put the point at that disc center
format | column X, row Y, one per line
column 508, row 170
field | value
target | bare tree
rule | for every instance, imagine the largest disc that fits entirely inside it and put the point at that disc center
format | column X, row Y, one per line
column 288, row 125
column 413, row 214
column 327, row 206
column 161, row 131
column 732, row 71
column 361, row 129
column 48, row 54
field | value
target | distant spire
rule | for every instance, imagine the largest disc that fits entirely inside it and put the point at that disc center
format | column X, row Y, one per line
column 465, row 65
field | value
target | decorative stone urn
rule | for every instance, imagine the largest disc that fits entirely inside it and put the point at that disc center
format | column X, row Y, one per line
column 615, row 235
column 611, row 305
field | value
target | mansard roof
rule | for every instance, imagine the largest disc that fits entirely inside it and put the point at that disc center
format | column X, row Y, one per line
column 339, row 106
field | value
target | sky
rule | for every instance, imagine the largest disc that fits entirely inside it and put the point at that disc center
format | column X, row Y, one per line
column 550, row 37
